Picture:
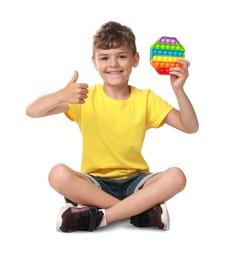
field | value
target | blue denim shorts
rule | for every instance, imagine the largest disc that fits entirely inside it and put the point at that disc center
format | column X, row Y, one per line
column 123, row 188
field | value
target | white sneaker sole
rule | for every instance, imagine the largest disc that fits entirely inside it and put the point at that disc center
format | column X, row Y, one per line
column 165, row 217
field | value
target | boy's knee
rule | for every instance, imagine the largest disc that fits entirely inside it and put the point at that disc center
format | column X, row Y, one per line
column 179, row 177
column 56, row 175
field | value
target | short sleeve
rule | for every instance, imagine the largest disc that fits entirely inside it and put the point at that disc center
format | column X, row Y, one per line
column 73, row 113
column 157, row 110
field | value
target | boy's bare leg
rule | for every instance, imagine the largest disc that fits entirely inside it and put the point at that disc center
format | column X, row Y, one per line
column 80, row 189
column 156, row 190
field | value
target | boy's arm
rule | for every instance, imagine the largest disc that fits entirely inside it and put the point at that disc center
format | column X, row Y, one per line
column 57, row 102
column 185, row 118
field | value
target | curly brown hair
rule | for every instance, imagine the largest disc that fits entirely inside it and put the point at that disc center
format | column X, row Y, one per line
column 113, row 35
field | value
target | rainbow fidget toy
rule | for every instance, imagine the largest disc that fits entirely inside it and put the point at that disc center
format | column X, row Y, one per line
column 164, row 52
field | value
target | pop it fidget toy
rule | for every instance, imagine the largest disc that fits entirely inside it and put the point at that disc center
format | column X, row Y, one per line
column 164, row 52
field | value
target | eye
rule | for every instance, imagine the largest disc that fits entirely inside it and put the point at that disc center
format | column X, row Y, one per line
column 104, row 58
column 122, row 56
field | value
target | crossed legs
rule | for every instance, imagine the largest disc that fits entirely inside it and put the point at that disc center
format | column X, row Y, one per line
column 80, row 189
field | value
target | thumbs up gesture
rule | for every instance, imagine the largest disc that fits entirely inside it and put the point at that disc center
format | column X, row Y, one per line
column 75, row 93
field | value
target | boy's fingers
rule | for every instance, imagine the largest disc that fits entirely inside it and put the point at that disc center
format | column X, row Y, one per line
column 185, row 63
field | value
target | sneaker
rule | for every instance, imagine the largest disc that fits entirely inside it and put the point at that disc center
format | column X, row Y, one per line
column 72, row 218
column 157, row 217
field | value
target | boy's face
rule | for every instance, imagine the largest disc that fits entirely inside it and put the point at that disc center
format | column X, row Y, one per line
column 115, row 65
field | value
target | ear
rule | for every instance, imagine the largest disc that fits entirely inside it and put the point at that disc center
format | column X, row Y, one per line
column 136, row 59
column 94, row 62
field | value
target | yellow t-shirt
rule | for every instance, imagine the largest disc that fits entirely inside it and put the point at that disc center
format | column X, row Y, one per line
column 113, row 130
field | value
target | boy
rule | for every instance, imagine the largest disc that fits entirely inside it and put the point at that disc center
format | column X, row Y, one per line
column 115, row 181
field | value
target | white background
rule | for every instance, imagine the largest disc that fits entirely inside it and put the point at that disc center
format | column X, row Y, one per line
column 42, row 43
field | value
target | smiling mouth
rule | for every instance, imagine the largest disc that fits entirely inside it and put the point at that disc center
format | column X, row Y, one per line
column 114, row 72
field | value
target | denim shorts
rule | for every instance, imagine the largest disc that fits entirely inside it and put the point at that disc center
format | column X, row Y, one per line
column 123, row 188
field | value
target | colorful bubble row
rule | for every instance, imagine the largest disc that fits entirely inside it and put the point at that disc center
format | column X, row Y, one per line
column 166, row 53
column 166, row 58
column 163, row 67
column 176, row 47
column 171, row 40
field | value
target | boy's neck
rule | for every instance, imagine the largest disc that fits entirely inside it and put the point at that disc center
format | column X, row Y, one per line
column 117, row 92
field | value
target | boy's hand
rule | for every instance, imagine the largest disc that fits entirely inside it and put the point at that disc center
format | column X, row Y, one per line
column 75, row 93
column 179, row 74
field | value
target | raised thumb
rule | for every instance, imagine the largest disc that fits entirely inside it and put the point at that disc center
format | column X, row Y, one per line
column 75, row 76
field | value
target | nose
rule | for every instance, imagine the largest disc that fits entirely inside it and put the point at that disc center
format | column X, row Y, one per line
column 113, row 62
